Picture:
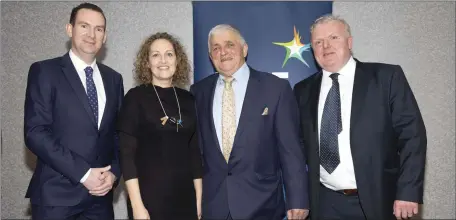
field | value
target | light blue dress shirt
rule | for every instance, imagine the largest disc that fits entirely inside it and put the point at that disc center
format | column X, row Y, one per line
column 240, row 80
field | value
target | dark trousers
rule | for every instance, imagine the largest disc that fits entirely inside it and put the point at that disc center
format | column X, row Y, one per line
column 336, row 205
column 87, row 210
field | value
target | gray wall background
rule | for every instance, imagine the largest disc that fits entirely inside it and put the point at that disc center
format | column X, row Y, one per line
column 419, row 36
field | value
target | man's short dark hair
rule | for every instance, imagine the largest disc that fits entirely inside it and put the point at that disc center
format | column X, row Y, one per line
column 85, row 5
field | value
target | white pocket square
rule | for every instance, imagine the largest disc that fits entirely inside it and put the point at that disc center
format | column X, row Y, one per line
column 265, row 111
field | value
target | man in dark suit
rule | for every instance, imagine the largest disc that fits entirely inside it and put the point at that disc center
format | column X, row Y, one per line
column 248, row 123
column 71, row 105
column 363, row 133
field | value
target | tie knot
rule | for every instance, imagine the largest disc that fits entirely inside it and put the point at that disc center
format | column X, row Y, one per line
column 334, row 76
column 89, row 71
column 228, row 82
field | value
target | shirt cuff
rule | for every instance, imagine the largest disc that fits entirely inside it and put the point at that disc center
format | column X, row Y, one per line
column 85, row 176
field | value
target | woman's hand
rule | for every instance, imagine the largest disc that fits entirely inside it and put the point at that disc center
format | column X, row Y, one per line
column 198, row 209
column 140, row 213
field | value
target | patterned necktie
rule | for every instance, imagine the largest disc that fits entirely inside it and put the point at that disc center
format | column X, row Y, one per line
column 228, row 118
column 91, row 92
column 331, row 126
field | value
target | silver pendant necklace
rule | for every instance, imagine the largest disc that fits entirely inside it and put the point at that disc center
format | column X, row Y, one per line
column 165, row 118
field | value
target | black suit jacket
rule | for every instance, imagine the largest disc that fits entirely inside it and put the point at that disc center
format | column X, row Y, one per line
column 387, row 138
column 60, row 129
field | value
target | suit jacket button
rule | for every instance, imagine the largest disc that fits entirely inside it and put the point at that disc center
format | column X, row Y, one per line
column 229, row 174
column 98, row 157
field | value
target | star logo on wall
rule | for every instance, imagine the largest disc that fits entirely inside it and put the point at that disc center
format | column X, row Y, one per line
column 294, row 48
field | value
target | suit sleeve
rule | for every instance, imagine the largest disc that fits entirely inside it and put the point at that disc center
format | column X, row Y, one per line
column 291, row 155
column 38, row 133
column 115, row 164
column 411, row 138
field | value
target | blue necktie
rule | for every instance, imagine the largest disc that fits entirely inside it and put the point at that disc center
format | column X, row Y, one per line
column 331, row 126
column 92, row 92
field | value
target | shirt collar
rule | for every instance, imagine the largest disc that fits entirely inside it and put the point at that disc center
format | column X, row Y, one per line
column 79, row 64
column 241, row 75
column 347, row 69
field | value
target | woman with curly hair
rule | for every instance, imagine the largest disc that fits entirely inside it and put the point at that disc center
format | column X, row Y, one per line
column 160, row 156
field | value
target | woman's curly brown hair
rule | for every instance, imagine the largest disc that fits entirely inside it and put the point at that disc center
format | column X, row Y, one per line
column 142, row 72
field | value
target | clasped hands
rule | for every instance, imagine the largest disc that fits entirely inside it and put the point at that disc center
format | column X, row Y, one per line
column 100, row 181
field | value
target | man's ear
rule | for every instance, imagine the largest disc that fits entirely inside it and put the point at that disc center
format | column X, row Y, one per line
column 350, row 42
column 245, row 49
column 104, row 38
column 69, row 30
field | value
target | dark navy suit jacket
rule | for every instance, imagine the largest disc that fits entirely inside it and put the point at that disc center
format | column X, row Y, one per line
column 60, row 129
column 266, row 155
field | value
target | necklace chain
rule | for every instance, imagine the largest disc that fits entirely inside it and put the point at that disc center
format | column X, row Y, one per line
column 178, row 106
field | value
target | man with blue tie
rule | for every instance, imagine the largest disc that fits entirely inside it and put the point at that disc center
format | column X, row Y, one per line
column 249, row 130
column 71, row 105
column 363, row 132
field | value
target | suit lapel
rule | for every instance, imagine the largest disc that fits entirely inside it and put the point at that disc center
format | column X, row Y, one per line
column 251, row 95
column 360, row 87
column 107, row 83
column 314, row 100
column 72, row 76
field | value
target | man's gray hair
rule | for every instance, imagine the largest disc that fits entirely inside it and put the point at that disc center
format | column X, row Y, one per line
column 224, row 27
column 328, row 18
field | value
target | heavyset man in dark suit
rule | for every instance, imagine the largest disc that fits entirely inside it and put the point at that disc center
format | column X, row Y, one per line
column 363, row 133
column 249, row 127
column 71, row 106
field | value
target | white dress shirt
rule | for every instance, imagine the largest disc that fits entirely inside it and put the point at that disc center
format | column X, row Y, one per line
column 239, row 84
column 343, row 177
column 80, row 65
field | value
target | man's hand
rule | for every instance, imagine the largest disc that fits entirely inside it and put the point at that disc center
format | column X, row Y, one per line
column 404, row 209
column 297, row 214
column 93, row 180
column 108, row 179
